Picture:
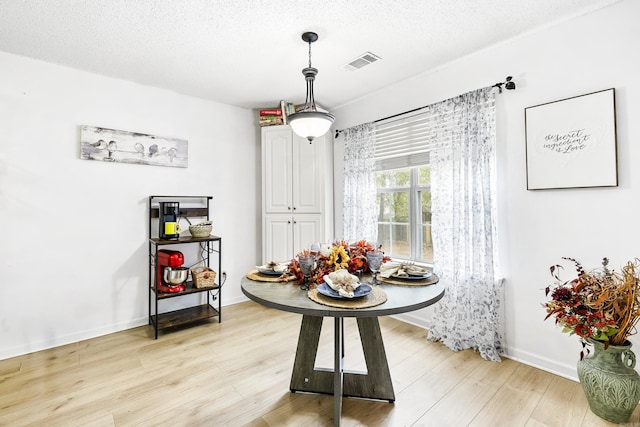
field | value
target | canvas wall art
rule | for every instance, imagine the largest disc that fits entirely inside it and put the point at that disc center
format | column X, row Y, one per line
column 571, row 143
column 111, row 145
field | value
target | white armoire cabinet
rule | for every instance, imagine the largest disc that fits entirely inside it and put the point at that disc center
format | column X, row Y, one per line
column 297, row 183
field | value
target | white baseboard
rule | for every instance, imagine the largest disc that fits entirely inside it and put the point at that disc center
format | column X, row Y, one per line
column 71, row 338
column 88, row 334
column 235, row 300
column 530, row 359
column 548, row 365
column 418, row 321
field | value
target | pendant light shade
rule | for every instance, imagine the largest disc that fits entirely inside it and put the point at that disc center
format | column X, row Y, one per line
column 309, row 122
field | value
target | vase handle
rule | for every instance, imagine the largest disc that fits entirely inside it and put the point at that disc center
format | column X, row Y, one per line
column 629, row 359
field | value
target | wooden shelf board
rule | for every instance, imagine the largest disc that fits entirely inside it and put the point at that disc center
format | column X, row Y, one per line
column 184, row 316
column 183, row 212
column 184, row 239
column 189, row 290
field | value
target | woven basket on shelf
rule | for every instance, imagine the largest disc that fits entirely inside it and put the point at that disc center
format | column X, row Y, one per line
column 200, row 230
column 203, row 277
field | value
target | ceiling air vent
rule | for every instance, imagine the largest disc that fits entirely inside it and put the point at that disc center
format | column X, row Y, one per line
column 361, row 61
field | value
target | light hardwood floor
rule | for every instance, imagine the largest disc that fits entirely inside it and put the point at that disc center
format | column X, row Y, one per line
column 237, row 374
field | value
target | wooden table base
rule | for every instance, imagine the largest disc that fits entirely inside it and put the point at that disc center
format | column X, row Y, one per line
column 373, row 384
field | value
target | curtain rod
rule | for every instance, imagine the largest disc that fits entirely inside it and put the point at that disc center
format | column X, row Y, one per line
column 508, row 84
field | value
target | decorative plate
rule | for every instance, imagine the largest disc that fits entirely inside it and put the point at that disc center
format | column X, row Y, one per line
column 421, row 275
column 361, row 291
column 269, row 272
column 413, row 276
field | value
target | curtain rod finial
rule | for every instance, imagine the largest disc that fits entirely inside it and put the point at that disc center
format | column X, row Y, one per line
column 509, row 84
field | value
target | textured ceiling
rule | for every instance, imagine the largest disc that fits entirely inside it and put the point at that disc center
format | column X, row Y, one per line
column 250, row 54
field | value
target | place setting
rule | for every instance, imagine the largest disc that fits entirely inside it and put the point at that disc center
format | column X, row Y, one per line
column 406, row 274
column 342, row 289
column 271, row 272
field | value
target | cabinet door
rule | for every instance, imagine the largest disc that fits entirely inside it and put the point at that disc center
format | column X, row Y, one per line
column 307, row 229
column 308, row 174
column 277, row 170
column 278, row 238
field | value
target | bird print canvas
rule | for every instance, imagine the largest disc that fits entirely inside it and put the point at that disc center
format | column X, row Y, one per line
column 111, row 145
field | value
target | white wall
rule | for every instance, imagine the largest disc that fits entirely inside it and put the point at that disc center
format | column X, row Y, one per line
column 536, row 228
column 73, row 251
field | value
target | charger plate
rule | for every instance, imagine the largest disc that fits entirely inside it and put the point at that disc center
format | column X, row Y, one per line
column 410, row 282
column 258, row 277
column 376, row 297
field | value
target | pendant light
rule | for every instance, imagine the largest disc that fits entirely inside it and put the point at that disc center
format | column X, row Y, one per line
column 309, row 122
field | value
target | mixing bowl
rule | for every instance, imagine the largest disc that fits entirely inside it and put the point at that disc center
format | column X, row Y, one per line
column 175, row 276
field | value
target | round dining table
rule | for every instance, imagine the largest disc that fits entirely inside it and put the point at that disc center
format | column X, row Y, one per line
column 375, row 383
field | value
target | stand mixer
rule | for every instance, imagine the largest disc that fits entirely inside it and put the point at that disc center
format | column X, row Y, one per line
column 170, row 275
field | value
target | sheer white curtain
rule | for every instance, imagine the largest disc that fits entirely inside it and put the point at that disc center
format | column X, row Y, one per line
column 359, row 205
column 463, row 188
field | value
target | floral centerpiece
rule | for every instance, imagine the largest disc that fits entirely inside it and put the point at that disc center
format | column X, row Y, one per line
column 333, row 257
column 602, row 304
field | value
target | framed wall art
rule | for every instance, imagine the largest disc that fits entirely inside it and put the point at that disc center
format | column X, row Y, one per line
column 571, row 143
column 119, row 146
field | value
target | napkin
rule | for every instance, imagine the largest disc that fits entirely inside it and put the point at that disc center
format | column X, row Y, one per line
column 279, row 267
column 342, row 282
column 400, row 269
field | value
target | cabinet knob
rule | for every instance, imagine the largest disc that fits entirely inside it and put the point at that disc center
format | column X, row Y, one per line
column 289, row 222
column 294, row 208
column 294, row 222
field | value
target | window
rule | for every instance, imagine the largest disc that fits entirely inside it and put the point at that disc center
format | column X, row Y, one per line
column 403, row 181
column 404, row 213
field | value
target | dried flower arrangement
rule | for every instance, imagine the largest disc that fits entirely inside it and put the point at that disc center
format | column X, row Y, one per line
column 601, row 304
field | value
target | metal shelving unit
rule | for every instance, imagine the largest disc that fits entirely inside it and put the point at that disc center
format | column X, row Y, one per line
column 210, row 250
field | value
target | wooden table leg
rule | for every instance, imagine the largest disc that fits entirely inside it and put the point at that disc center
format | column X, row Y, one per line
column 338, row 370
column 373, row 384
column 304, row 377
column 376, row 384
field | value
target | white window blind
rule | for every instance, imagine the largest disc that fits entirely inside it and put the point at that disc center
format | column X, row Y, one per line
column 402, row 142
column 406, row 140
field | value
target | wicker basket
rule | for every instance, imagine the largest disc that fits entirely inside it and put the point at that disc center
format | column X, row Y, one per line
column 203, row 277
column 201, row 230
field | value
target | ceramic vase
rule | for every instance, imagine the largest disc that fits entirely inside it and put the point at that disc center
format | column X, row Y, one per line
column 610, row 382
